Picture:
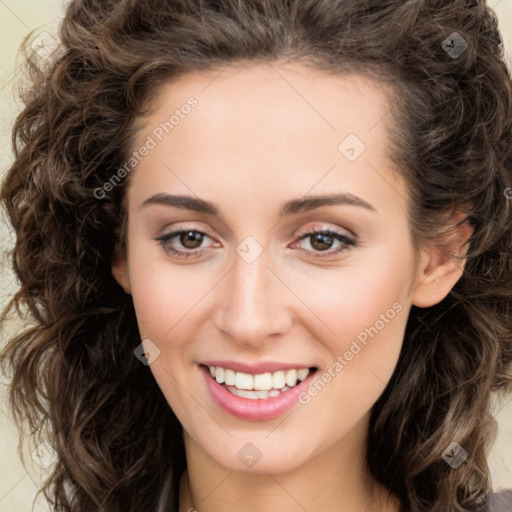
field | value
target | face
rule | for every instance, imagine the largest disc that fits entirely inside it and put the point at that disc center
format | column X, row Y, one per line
column 246, row 273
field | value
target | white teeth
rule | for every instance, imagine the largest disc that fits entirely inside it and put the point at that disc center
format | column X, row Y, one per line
column 219, row 374
column 229, row 377
column 278, row 380
column 244, row 381
column 262, row 385
column 247, row 394
column 291, row 377
column 263, row 381
column 253, row 395
column 302, row 373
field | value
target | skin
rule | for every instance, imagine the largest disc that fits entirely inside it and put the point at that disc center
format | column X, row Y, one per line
column 262, row 135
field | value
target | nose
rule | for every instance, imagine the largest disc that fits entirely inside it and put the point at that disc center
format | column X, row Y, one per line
column 252, row 303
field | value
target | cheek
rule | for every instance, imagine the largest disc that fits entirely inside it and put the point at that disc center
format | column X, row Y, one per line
column 165, row 295
column 364, row 296
column 368, row 315
column 165, row 298
column 365, row 306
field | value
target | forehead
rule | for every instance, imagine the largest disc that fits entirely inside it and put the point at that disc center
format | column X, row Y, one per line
column 285, row 128
column 267, row 95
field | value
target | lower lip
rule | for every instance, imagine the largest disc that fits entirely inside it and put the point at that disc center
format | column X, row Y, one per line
column 253, row 409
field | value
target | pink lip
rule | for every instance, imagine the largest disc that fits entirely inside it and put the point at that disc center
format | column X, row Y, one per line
column 257, row 368
column 248, row 409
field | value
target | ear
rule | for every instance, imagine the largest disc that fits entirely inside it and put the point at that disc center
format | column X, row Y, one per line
column 120, row 268
column 441, row 265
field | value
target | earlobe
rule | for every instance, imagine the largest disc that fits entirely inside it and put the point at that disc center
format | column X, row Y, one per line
column 120, row 269
column 441, row 266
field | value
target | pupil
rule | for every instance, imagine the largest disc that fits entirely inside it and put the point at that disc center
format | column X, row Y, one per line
column 324, row 239
column 191, row 236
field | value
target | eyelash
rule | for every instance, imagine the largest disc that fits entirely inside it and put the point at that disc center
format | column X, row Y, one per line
column 347, row 243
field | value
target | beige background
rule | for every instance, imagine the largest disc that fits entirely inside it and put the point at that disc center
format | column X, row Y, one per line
column 18, row 485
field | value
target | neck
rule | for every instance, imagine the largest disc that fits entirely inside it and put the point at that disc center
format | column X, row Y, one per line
column 334, row 480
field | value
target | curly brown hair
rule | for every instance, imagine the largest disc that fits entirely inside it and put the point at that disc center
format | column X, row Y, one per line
column 74, row 376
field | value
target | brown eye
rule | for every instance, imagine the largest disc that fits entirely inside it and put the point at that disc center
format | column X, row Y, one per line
column 191, row 239
column 321, row 241
column 184, row 243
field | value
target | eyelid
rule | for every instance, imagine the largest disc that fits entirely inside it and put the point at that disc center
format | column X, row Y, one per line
column 167, row 230
column 321, row 227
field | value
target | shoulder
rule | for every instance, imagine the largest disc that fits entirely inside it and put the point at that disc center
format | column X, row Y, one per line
column 501, row 501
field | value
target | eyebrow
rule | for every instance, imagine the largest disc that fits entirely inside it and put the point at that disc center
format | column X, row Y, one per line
column 291, row 207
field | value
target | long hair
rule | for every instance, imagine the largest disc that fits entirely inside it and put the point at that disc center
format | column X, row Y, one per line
column 74, row 377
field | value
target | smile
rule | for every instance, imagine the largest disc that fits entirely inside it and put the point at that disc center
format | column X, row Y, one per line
column 261, row 396
column 259, row 386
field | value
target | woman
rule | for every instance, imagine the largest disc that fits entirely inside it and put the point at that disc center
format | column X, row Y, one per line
column 265, row 247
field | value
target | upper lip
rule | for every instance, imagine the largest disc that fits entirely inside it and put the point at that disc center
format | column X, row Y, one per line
column 256, row 368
